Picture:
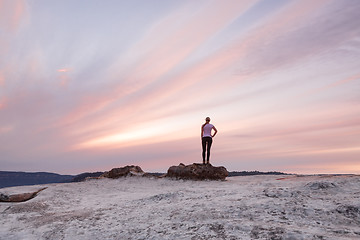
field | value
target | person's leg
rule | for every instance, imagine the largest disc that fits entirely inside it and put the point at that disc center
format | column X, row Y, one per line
column 203, row 141
column 209, row 142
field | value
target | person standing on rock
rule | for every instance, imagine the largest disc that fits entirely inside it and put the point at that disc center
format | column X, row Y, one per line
column 206, row 139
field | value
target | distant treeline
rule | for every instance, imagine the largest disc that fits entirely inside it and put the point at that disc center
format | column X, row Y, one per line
column 250, row 173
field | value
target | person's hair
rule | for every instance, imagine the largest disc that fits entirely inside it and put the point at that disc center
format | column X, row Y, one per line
column 207, row 119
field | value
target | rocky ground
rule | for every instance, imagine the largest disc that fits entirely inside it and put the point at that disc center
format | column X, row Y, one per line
column 252, row 207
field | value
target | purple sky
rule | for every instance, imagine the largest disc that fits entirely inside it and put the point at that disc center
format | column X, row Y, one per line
column 89, row 85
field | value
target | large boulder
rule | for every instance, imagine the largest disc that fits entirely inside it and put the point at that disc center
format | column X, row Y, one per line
column 124, row 172
column 197, row 171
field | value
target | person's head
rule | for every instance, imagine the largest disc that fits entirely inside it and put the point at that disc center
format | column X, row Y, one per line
column 207, row 119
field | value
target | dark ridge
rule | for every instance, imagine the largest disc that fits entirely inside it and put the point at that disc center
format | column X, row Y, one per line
column 81, row 177
column 251, row 173
column 12, row 179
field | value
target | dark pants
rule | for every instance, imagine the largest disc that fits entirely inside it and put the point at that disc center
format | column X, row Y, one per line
column 206, row 145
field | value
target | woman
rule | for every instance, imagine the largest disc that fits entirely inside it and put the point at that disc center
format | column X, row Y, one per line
column 206, row 138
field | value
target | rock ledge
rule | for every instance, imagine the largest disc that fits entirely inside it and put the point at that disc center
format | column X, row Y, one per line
column 197, row 171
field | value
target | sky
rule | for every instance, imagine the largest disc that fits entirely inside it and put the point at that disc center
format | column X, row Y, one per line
column 90, row 85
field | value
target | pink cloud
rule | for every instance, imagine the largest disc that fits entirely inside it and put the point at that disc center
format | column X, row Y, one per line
column 338, row 83
column 6, row 129
column 19, row 11
column 64, row 76
column 2, row 79
column 3, row 103
column 12, row 13
column 327, row 87
column 64, row 70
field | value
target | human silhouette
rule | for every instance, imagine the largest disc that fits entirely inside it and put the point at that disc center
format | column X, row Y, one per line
column 207, row 139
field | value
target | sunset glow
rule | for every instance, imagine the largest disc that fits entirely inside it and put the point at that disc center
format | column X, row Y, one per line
column 87, row 86
column 63, row 70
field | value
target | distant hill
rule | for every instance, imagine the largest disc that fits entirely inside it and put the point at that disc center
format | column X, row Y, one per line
column 11, row 179
column 81, row 177
column 250, row 173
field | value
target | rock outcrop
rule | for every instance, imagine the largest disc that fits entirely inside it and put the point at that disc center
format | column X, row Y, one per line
column 124, row 172
column 22, row 197
column 197, row 171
